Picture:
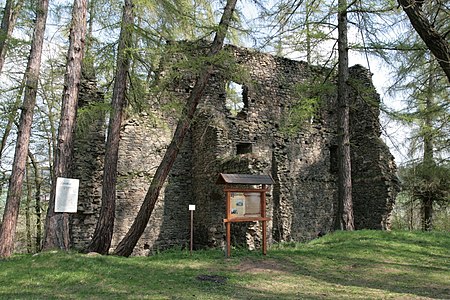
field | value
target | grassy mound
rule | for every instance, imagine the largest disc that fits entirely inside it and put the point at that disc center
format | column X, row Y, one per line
column 342, row 265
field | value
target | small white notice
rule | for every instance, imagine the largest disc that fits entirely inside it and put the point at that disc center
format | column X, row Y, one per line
column 191, row 207
column 66, row 198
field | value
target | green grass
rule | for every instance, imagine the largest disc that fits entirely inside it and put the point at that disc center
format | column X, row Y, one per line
column 342, row 265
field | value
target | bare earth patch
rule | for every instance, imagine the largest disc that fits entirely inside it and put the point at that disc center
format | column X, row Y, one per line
column 263, row 266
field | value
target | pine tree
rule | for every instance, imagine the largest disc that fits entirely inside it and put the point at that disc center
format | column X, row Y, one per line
column 9, row 18
column 11, row 212
column 344, row 216
column 435, row 39
column 56, row 224
column 101, row 241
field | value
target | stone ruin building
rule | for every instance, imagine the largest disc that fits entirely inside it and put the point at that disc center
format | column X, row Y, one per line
column 303, row 201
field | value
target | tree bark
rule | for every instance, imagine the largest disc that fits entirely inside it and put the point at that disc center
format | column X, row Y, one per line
column 8, row 22
column 126, row 246
column 37, row 199
column 344, row 218
column 427, row 214
column 57, row 224
column 28, row 208
column 428, row 151
column 101, row 241
column 11, row 212
column 434, row 41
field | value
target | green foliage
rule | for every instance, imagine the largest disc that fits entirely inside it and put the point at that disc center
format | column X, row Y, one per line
column 423, row 184
column 428, row 181
column 302, row 27
column 302, row 111
column 341, row 265
column 310, row 96
column 406, row 213
column 91, row 114
column 183, row 63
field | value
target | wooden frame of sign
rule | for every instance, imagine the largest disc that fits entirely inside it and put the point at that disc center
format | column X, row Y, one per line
column 245, row 204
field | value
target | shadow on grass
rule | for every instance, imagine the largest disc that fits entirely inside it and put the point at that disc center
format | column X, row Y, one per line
column 76, row 276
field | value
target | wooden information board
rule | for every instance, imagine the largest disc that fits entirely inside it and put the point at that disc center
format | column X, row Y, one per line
column 245, row 204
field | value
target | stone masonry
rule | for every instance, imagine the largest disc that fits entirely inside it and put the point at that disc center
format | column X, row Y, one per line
column 302, row 203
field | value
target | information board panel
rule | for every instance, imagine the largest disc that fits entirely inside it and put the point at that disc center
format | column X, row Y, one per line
column 245, row 204
column 66, row 198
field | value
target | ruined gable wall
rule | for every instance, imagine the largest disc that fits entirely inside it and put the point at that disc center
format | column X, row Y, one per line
column 301, row 202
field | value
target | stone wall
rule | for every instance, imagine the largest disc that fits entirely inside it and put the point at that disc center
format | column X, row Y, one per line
column 89, row 152
column 303, row 200
column 373, row 167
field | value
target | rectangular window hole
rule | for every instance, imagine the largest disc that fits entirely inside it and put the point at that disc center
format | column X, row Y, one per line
column 243, row 148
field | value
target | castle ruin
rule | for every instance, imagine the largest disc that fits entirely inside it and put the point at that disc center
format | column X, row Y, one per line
column 250, row 139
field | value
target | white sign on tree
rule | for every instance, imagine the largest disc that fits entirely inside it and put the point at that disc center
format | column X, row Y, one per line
column 66, row 198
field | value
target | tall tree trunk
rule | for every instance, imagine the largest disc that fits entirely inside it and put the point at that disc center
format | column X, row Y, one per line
column 28, row 207
column 126, row 246
column 37, row 199
column 8, row 22
column 344, row 218
column 101, row 241
column 57, row 224
column 428, row 151
column 11, row 212
column 434, row 41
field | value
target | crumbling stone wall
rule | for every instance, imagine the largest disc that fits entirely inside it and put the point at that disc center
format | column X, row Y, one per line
column 373, row 167
column 144, row 140
column 89, row 152
column 302, row 202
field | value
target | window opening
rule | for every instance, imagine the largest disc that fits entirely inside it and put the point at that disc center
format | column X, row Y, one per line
column 243, row 148
column 237, row 98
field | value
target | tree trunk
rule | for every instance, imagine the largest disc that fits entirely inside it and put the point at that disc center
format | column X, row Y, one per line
column 57, row 224
column 101, row 241
column 8, row 22
column 434, row 41
column 344, row 218
column 428, row 151
column 11, row 212
column 37, row 200
column 28, row 207
column 427, row 214
column 126, row 246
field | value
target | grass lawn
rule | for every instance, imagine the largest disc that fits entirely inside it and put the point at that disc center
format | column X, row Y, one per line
column 342, row 265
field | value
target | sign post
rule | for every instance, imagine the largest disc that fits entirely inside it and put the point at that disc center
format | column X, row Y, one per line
column 192, row 208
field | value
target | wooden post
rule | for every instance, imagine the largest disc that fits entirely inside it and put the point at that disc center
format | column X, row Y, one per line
column 192, row 230
column 264, row 222
column 228, row 224
column 191, row 209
